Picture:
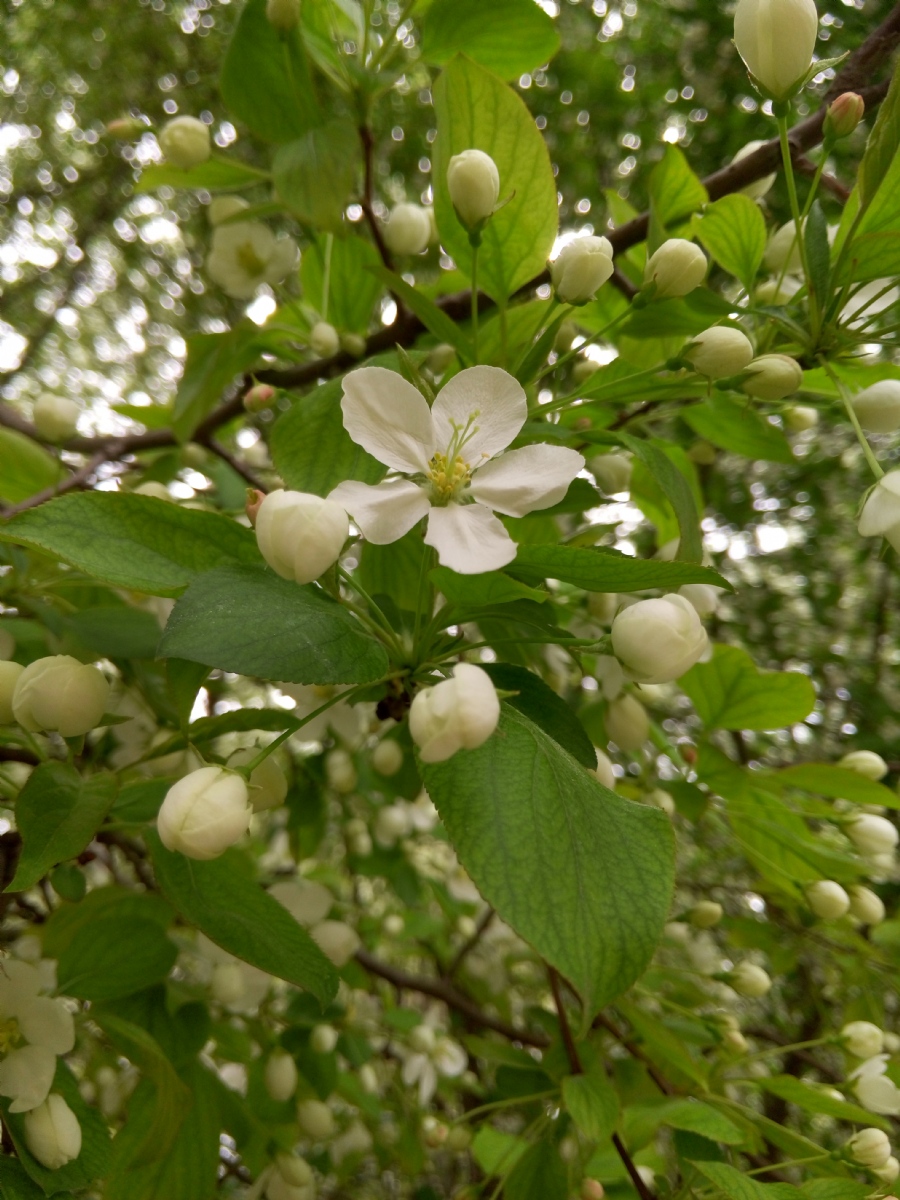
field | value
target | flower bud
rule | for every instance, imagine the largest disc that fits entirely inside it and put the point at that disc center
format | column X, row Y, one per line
column 843, row 115
column 772, row 377
column 705, row 914
column 391, row 824
column 800, row 417
column 565, row 336
column 702, row 453
column 259, row 397
column 612, row 472
column 862, row 1039
column 658, row 640
column 440, row 357
column 676, row 268
column 759, row 187
column 878, row 407
column 778, row 292
column 735, row 1042
column 776, row 39
column 603, row 772
column 158, row 491
column 661, row 799
column 704, row 597
column 9, row 677
column 870, row 1147
column 185, row 142
column 324, row 340
column 315, row 1119
column 783, row 251
column 294, row 1170
column 627, row 723
column 323, row 1039
column 368, row 1079
column 387, row 757
column 52, row 1133
column 125, row 128
column 889, row 1172
column 881, row 509
column 283, row 14
column 55, row 418
column 300, row 535
column 580, row 268
column 407, row 230
column 340, row 771
column 267, row 786
column 280, row 1076
column 747, row 979
column 872, row 835
column 592, row 1189
column 866, row 763
column 865, row 905
column 474, row 185
column 353, row 344
column 459, row 713
column 336, row 940
column 205, row 813
column 828, row 899
column 59, row 694
column 719, row 352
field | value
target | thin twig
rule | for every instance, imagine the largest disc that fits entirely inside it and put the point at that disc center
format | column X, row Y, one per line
column 79, row 479
column 635, row 1051
column 469, row 945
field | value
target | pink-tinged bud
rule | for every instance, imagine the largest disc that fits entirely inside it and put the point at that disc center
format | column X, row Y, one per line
column 125, row 128
column 844, row 115
column 254, row 502
column 259, row 397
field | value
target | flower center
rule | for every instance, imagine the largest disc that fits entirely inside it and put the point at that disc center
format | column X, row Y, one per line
column 449, row 476
column 249, row 260
column 10, row 1035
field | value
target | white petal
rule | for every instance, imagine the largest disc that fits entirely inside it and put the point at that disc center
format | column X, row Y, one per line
column 521, row 481
column 469, row 539
column 48, row 1023
column 383, row 512
column 495, row 396
column 388, row 417
column 26, row 1076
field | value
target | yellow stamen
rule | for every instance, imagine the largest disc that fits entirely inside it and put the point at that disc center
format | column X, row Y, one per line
column 448, row 477
column 10, row 1035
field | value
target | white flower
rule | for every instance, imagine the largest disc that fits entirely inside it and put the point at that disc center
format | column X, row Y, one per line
column 783, row 251
column 221, row 208
column 881, row 510
column 315, row 1119
column 877, row 407
column 870, row 1147
column 9, row 677
column 474, row 185
column 234, row 984
column 866, row 906
column 676, row 268
column 862, row 1039
column 747, row 979
column 52, row 1133
column 776, row 39
column 581, row 267
column 439, row 1056
column 355, row 1139
column 408, row 229
column 719, row 352
column 246, row 254
column 60, row 694
column 866, row 763
column 772, row 377
column 449, row 464
column 759, row 187
column 300, row 535
column 827, row 899
column 205, row 813
column 184, row 142
column 280, row 1075
column 344, row 719
column 871, row 834
column 658, row 640
column 34, row 1029
column 55, row 417
column 458, row 713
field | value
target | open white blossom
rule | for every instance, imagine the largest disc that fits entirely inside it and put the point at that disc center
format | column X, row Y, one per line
column 245, row 254
column 34, row 1029
column 448, row 465
column 873, row 1089
column 431, row 1056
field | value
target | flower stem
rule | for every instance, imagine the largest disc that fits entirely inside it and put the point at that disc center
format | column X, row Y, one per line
column 474, row 304
column 326, row 276
column 782, row 123
column 873, row 462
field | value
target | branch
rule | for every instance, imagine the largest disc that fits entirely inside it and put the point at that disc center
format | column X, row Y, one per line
column 469, row 945
column 78, row 480
column 636, row 1052
column 368, row 145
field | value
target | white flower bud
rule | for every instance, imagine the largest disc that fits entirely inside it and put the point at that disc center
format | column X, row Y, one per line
column 627, row 723
column 394, row 925
column 878, row 407
column 661, row 799
column 776, row 39
column 323, row 1039
column 866, row 906
column 719, row 352
column 782, row 255
column 353, row 344
column 676, row 268
column 704, row 597
column 735, row 1042
column 391, row 824
column 60, row 694
column 55, row 418
column 747, row 979
column 368, row 1079
column 387, row 757
column 870, row 1147
column 828, row 900
column 772, row 377
column 862, row 1039
column 205, row 813
column 602, row 606
column 9, row 676
column 268, row 785
column 459, row 713
column 581, row 268
column 185, row 142
column 474, row 185
column 52, row 1133
column 881, row 509
column 316, row 1119
column 280, row 1076
column 759, row 187
column 778, row 291
column 603, row 772
column 705, row 914
column 889, row 1172
column 300, row 535
column 336, row 940
column 866, row 763
column 283, row 14
column 221, row 208
column 294, row 1170
column 153, row 488
column 872, row 835
column 800, row 417
column 408, row 229
column 612, row 472
column 340, row 771
column 592, row 1189
column 658, row 640
column 324, row 339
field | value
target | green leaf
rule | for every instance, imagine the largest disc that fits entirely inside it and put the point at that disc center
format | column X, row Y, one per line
column 95, row 965
column 540, row 1174
column 477, row 110
column 394, row 570
column 352, row 289
column 738, row 1186
column 433, row 318
column 265, row 78
column 117, row 631
column 827, row 779
column 675, row 190
column 834, row 1189
column 296, row 634
column 312, row 450
column 733, row 231
column 872, row 256
column 482, row 591
column 183, row 681
column 729, row 692
column 817, row 1100
column 315, row 175
column 213, row 361
column 599, row 868
column 140, row 802
column 68, row 919
column 678, row 492
column 15, row 1183
column 507, row 37
column 592, row 1103
column 234, row 912
column 539, row 703
column 215, row 175
column 818, row 252
column 25, row 467
column 598, row 571
column 882, row 146
column 697, row 1117
column 135, row 542
column 737, row 427
column 57, row 814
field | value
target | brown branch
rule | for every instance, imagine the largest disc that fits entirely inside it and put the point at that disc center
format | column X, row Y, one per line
column 469, row 945
column 245, row 472
column 368, row 147
column 636, row 1052
column 564, row 1027
column 807, row 167
column 77, row 480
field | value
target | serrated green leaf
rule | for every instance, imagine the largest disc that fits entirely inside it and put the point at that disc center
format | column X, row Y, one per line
column 730, row 692
column 116, row 631
column 15, row 1183
column 507, row 37
column 675, row 190
column 540, row 704
column 677, row 491
column 738, row 428
column 213, row 361
column 315, row 174
column 25, row 467
column 733, row 231
column 817, row 1100
column 215, row 175
column 596, row 571
column 93, row 965
column 433, row 318
column 592, row 1103
column 352, row 290
column 540, row 1174
column 738, row 1186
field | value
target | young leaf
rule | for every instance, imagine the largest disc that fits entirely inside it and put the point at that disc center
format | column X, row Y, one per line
column 883, row 145
column 729, row 692
column 433, row 318
column 540, row 1174
column 738, row 428
column 507, row 37
column 92, row 966
column 678, row 492
column 215, row 175
column 213, row 362
column 482, row 591
column 818, row 252
column 352, row 290
column 25, row 467
column 733, row 231
column 675, row 190
column 315, row 174
column 592, row 1103
column 599, row 571
column 537, row 701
